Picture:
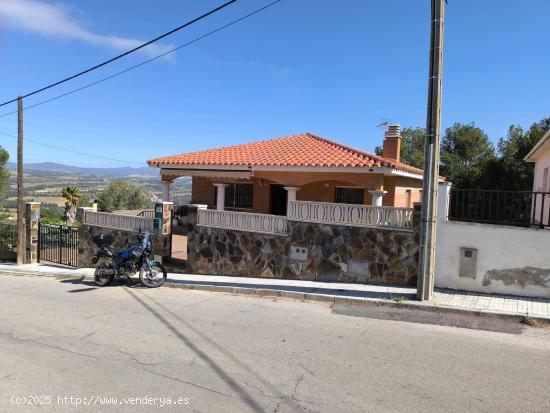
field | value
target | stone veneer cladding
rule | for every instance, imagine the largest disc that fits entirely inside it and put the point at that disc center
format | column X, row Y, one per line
column 334, row 253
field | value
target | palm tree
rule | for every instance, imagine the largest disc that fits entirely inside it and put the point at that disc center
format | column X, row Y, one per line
column 72, row 196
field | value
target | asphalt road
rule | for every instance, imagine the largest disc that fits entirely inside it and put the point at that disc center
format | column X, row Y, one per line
column 211, row 352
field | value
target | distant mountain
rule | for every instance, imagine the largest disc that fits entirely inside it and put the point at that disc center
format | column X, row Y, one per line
column 60, row 168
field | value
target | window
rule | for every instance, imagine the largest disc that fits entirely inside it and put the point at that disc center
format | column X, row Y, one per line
column 545, row 186
column 236, row 195
column 349, row 195
column 408, row 198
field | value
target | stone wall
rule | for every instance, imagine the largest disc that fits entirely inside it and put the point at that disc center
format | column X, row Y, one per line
column 325, row 253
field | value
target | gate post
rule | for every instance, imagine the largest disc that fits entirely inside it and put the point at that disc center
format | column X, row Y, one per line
column 163, row 224
column 32, row 216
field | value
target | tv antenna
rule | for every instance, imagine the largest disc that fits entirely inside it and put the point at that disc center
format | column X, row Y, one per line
column 384, row 124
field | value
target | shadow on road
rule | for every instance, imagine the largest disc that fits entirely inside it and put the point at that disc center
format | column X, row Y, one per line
column 82, row 290
column 80, row 281
column 92, row 285
column 274, row 390
column 225, row 376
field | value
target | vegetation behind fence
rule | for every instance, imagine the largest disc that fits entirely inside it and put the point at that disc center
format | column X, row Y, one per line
column 8, row 241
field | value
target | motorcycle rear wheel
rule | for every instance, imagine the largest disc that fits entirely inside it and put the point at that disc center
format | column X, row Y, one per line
column 104, row 274
column 152, row 275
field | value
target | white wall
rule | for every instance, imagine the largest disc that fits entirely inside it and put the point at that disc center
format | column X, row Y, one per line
column 510, row 260
column 542, row 162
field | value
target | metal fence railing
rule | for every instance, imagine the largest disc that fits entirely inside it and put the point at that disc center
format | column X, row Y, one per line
column 516, row 208
column 148, row 213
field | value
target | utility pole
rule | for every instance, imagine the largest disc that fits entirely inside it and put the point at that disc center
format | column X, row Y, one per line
column 21, row 236
column 426, row 273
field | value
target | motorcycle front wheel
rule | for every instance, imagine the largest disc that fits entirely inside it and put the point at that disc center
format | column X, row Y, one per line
column 152, row 275
column 104, row 274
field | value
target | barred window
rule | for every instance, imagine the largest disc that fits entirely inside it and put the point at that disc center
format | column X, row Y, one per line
column 349, row 195
column 237, row 195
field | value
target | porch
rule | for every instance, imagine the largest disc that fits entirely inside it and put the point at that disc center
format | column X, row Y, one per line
column 272, row 192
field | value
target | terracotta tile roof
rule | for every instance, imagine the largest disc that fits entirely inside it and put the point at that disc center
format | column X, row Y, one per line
column 304, row 150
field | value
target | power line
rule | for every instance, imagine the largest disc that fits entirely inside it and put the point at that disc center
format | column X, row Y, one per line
column 148, row 60
column 60, row 148
column 162, row 36
column 122, row 72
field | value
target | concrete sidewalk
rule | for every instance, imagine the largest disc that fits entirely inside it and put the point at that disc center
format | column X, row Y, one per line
column 445, row 300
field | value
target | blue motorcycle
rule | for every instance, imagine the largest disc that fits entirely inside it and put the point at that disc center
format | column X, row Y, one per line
column 137, row 258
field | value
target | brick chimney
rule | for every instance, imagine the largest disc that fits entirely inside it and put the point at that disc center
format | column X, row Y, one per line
column 392, row 142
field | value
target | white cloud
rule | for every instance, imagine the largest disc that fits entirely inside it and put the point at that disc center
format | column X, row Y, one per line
column 57, row 20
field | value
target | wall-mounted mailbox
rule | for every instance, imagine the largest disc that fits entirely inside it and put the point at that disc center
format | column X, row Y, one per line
column 468, row 262
column 157, row 223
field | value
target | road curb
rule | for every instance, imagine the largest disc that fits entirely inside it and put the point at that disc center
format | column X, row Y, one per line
column 307, row 296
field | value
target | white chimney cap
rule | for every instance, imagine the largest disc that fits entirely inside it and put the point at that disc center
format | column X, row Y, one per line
column 393, row 131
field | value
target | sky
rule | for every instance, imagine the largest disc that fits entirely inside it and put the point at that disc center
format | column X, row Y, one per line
column 336, row 68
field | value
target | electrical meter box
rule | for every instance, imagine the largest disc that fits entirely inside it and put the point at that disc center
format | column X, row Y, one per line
column 298, row 253
column 468, row 262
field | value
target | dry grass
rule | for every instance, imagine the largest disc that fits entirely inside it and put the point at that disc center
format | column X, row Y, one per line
column 57, row 200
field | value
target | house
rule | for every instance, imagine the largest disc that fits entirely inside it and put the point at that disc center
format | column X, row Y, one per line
column 263, row 176
column 540, row 155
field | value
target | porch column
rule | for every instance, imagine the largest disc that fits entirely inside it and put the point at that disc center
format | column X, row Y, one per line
column 290, row 196
column 220, row 199
column 165, row 185
column 377, row 197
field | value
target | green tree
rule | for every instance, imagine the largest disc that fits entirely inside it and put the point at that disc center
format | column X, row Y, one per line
column 466, row 152
column 4, row 173
column 412, row 146
column 119, row 195
column 509, row 171
column 537, row 130
column 84, row 200
column 50, row 215
column 468, row 158
column 72, row 196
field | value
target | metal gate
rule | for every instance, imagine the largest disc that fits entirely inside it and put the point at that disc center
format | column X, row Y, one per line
column 58, row 243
